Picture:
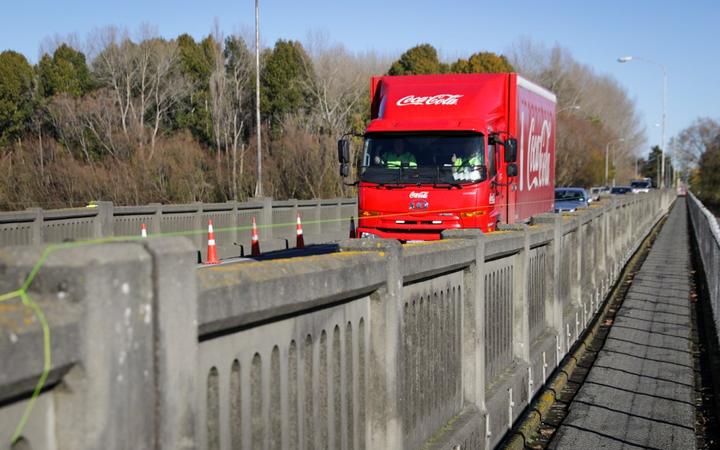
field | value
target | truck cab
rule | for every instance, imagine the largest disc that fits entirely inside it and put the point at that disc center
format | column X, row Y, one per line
column 441, row 152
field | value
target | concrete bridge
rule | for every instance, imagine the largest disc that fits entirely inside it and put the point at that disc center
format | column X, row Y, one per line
column 379, row 345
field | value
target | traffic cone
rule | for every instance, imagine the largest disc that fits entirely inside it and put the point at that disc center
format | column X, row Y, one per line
column 143, row 230
column 211, row 250
column 255, row 250
column 353, row 234
column 300, row 240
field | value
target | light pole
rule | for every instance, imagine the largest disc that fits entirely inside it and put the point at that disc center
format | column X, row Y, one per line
column 258, row 186
column 607, row 150
column 625, row 59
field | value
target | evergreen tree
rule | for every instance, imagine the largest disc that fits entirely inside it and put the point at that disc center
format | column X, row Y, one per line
column 285, row 79
column 16, row 95
column 482, row 62
column 66, row 71
column 421, row 59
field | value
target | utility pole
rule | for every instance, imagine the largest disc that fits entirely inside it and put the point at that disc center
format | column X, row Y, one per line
column 258, row 186
column 661, row 172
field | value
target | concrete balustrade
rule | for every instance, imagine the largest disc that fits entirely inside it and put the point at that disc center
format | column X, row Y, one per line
column 380, row 345
column 232, row 221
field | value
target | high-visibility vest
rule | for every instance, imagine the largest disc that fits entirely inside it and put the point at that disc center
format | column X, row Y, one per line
column 473, row 161
column 394, row 161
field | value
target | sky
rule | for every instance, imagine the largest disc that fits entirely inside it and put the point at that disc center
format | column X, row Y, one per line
column 682, row 36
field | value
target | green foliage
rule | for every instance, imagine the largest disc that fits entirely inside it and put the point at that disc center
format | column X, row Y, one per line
column 419, row 60
column 196, row 62
column 482, row 62
column 652, row 166
column 65, row 72
column 708, row 176
column 285, row 79
column 16, row 95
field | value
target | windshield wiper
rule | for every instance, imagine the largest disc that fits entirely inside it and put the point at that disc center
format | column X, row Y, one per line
column 395, row 185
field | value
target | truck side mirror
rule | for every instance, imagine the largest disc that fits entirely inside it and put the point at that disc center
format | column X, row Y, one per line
column 512, row 170
column 344, row 151
column 344, row 170
column 511, row 150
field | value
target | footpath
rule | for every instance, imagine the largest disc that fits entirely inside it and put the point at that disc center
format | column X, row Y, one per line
column 639, row 393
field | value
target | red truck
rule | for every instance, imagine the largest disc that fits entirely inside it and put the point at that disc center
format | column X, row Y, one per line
column 453, row 151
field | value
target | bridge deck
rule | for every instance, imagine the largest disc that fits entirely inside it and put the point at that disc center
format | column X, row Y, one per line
column 639, row 393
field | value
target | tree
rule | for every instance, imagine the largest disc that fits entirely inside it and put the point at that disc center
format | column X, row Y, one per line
column 196, row 62
column 66, row 71
column 284, row 80
column 16, row 95
column 708, row 183
column 419, row 60
column 583, row 95
column 691, row 143
column 651, row 168
column 482, row 62
column 337, row 83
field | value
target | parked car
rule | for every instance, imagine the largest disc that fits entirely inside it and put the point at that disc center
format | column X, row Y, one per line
column 641, row 186
column 620, row 190
column 595, row 192
column 570, row 198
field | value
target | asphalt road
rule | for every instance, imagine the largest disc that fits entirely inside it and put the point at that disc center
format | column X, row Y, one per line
column 309, row 250
column 639, row 392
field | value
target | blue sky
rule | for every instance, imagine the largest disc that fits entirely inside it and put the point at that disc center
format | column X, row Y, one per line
column 682, row 35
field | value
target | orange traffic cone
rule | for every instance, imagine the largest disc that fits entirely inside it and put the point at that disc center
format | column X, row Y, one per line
column 300, row 240
column 353, row 234
column 255, row 251
column 211, row 251
column 143, row 230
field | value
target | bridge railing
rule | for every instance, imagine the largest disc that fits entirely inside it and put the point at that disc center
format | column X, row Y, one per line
column 380, row 345
column 707, row 235
column 276, row 219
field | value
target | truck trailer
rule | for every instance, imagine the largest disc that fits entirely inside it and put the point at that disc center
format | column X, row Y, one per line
column 453, row 151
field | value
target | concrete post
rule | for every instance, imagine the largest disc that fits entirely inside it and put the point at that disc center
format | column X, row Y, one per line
column 174, row 317
column 108, row 400
column 156, row 221
column 576, row 275
column 198, row 224
column 554, row 310
column 37, row 226
column 384, row 427
column 267, row 219
column 473, row 333
column 104, row 221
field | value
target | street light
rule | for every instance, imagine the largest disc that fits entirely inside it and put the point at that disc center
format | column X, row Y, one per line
column 607, row 150
column 625, row 59
column 258, row 186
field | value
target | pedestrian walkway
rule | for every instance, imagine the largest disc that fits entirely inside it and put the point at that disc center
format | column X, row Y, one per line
column 639, row 392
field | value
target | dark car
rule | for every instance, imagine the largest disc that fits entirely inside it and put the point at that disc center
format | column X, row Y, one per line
column 570, row 198
column 621, row 190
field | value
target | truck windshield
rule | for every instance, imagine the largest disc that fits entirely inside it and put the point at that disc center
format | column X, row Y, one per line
column 423, row 158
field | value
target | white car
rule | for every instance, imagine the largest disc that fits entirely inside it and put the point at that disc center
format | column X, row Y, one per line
column 640, row 186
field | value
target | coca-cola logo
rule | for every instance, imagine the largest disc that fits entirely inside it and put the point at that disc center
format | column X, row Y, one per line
column 537, row 167
column 421, row 194
column 440, row 99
